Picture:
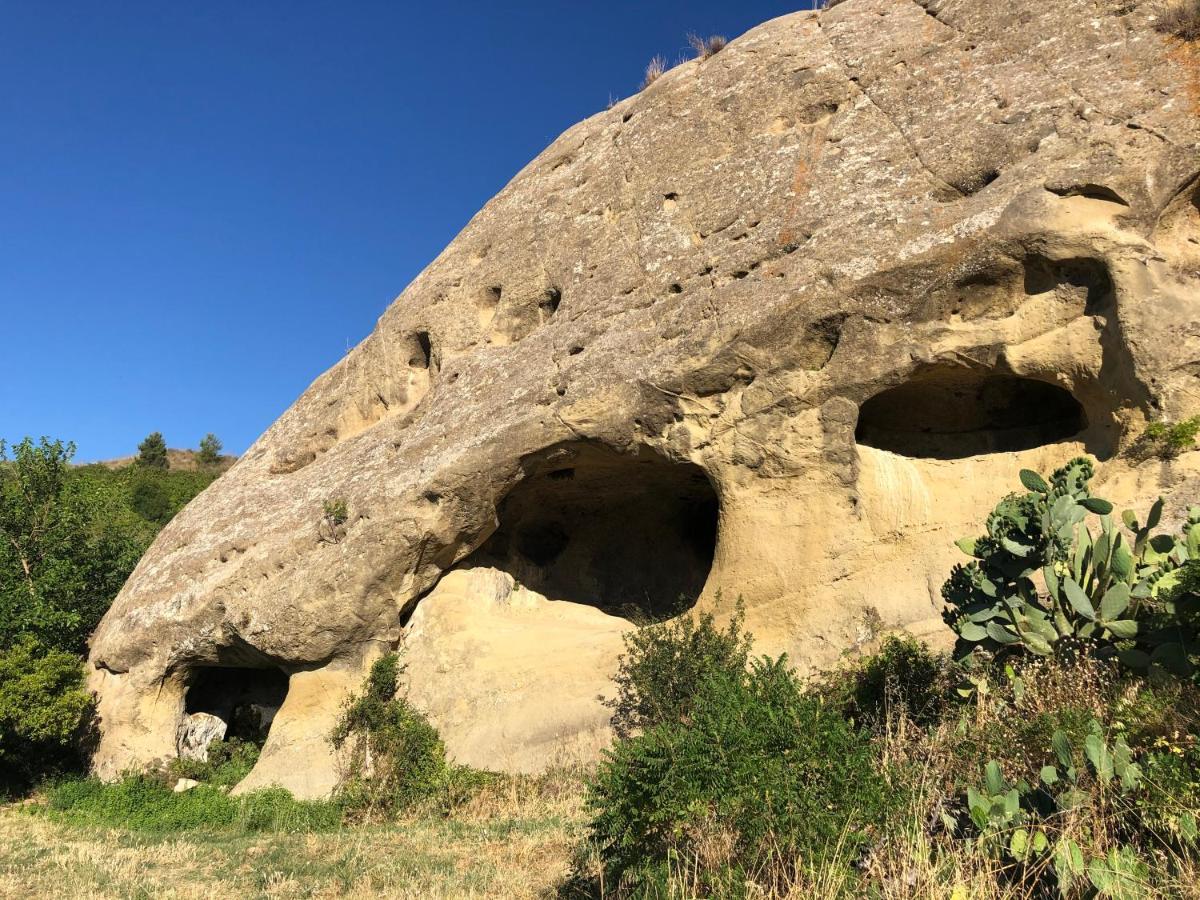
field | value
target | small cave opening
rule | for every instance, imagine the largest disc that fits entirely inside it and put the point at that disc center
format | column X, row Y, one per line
column 950, row 413
column 228, row 702
column 632, row 534
column 1088, row 279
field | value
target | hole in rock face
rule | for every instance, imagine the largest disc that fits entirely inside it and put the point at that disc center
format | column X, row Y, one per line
column 245, row 699
column 1081, row 276
column 423, row 357
column 633, row 534
column 949, row 413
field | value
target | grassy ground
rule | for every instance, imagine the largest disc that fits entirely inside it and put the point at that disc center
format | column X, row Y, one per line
column 509, row 843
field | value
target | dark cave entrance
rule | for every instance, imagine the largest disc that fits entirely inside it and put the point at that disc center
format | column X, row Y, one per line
column 245, row 699
column 633, row 534
column 950, row 413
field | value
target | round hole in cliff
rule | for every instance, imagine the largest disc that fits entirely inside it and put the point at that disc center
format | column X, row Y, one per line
column 633, row 534
column 950, row 413
column 245, row 699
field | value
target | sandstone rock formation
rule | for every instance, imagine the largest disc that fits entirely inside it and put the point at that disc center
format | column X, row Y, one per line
column 781, row 327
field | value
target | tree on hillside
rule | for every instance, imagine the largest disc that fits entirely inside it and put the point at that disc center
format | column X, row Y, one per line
column 59, row 565
column 29, row 491
column 210, row 450
column 152, row 451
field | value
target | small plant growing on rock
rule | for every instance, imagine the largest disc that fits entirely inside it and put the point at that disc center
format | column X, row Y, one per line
column 1165, row 440
column 334, row 514
column 654, row 70
column 708, row 47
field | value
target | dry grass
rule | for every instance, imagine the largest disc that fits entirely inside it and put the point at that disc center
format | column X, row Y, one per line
column 1180, row 18
column 707, row 47
column 654, row 70
column 514, row 840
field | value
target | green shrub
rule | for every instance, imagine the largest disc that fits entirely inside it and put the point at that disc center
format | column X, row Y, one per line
column 229, row 761
column 44, row 711
column 149, row 498
column 395, row 757
column 664, row 664
column 141, row 803
column 903, row 678
column 144, row 803
column 757, row 783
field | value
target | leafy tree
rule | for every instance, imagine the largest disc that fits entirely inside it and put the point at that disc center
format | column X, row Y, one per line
column 29, row 489
column 58, row 573
column 210, row 450
column 152, row 452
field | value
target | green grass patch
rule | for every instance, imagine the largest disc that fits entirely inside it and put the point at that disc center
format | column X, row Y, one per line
column 143, row 804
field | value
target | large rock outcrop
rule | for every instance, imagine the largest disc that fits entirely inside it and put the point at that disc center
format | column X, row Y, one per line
column 780, row 327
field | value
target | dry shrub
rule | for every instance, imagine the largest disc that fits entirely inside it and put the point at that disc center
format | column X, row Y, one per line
column 654, row 70
column 1180, row 18
column 707, row 47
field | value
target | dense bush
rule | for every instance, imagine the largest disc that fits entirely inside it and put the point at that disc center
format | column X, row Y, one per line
column 664, row 664
column 1067, row 777
column 903, row 678
column 44, row 713
column 758, row 782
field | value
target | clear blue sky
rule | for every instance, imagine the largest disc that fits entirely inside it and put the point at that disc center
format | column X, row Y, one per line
column 203, row 204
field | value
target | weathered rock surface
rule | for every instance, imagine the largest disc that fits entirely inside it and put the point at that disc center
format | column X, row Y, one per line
column 196, row 731
column 779, row 327
column 530, row 674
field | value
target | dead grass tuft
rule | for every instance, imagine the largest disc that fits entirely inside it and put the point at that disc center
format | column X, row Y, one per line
column 1180, row 18
column 708, row 47
column 654, row 70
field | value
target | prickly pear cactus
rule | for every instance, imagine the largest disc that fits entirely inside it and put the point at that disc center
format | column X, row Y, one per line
column 1054, row 564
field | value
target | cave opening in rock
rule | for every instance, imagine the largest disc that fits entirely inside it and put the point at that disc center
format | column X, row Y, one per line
column 949, row 413
column 227, row 702
column 633, row 534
